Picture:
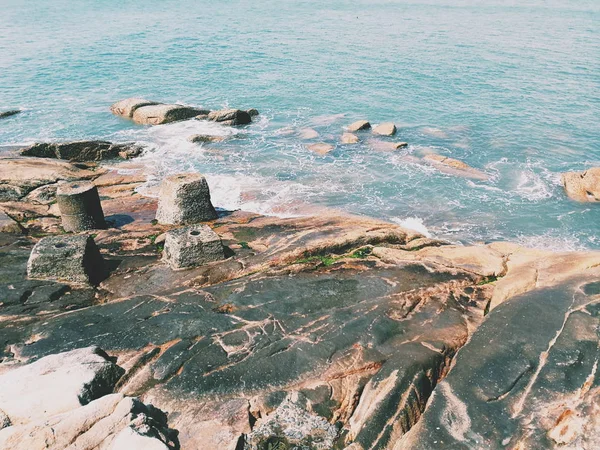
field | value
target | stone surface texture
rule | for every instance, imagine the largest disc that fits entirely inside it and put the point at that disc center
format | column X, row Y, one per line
column 79, row 205
column 127, row 107
column 192, row 246
column 160, row 114
column 349, row 138
column 583, row 186
column 359, row 125
column 385, row 129
column 68, row 258
column 230, row 117
column 185, row 199
column 82, row 150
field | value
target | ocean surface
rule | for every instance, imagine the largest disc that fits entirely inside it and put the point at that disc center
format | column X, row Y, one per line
column 512, row 88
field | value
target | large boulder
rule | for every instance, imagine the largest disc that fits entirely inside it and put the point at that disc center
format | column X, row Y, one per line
column 230, row 117
column 160, row 114
column 82, row 150
column 56, row 384
column 583, row 186
column 113, row 422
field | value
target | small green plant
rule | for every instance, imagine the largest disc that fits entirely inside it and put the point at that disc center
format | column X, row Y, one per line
column 154, row 222
column 361, row 253
column 488, row 280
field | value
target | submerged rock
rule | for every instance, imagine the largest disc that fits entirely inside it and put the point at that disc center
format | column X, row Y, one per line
column 583, row 186
column 83, row 150
column 203, row 138
column 349, row 138
column 308, row 133
column 385, row 129
column 454, row 166
column 359, row 125
column 321, row 148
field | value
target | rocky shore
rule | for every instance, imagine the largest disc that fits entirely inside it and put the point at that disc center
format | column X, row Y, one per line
column 251, row 332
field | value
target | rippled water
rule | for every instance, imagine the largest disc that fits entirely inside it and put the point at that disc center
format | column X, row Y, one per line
column 509, row 87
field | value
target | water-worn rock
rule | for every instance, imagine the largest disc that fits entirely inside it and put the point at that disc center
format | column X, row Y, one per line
column 385, row 129
column 454, row 166
column 359, row 125
column 184, row 199
column 583, row 186
column 349, row 138
column 113, row 422
column 19, row 176
column 160, row 114
column 82, row 150
column 192, row 246
column 203, row 138
column 12, row 112
column 67, row 258
column 127, row 107
column 56, row 384
column 308, row 133
column 79, row 205
column 230, row 117
column 321, row 148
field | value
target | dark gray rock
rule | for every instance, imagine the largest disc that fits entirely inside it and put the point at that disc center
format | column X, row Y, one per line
column 79, row 205
column 253, row 112
column 82, row 150
column 160, row 114
column 230, row 117
column 67, row 258
column 192, row 246
column 10, row 113
column 185, row 199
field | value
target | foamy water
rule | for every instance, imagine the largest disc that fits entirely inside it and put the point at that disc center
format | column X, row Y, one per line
column 510, row 88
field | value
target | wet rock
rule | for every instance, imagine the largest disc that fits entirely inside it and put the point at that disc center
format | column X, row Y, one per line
column 127, row 107
column 385, row 129
column 253, row 112
column 80, row 207
column 359, row 126
column 349, row 138
column 454, row 166
column 583, row 186
column 185, row 199
column 113, row 421
column 67, row 258
column 82, row 150
column 56, row 384
column 19, row 176
column 398, row 145
column 203, row 138
column 321, row 148
column 230, row 117
column 160, row 114
column 192, row 246
column 12, row 112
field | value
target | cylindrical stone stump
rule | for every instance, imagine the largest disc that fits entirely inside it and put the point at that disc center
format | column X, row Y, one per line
column 79, row 205
column 184, row 199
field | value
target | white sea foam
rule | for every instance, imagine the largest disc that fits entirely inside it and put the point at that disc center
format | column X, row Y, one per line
column 413, row 223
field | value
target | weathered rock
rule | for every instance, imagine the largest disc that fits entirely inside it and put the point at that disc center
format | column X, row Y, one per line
column 160, row 114
column 202, row 138
column 230, row 116
column 43, row 195
column 67, row 258
column 185, row 199
column 82, row 150
column 321, row 148
column 9, row 113
column 19, row 176
column 8, row 225
column 112, row 422
column 127, row 107
column 454, row 166
column 583, row 186
column 527, row 379
column 56, row 384
column 192, row 246
column 349, row 138
column 385, row 129
column 80, row 207
column 359, row 126
column 308, row 133
column 253, row 112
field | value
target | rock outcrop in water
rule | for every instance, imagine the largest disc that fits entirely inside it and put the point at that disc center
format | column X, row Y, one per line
column 10, row 113
column 80, row 151
column 583, row 186
column 332, row 331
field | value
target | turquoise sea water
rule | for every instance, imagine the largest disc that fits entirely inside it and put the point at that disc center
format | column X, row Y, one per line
column 510, row 87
